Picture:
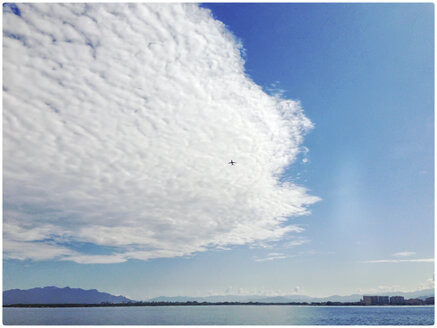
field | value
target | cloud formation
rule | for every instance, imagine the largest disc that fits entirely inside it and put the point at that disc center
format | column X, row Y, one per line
column 118, row 122
column 429, row 260
column 271, row 257
column 428, row 284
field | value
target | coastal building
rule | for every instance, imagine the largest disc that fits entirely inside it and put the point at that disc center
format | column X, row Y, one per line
column 375, row 300
column 397, row 300
column 383, row 300
column 414, row 301
column 370, row 300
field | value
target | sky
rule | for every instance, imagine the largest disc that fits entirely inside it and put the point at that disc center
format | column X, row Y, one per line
column 119, row 122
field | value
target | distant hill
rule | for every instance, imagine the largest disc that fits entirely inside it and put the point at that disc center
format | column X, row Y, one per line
column 289, row 298
column 55, row 295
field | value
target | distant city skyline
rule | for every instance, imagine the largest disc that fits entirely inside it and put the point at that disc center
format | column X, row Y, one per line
column 119, row 121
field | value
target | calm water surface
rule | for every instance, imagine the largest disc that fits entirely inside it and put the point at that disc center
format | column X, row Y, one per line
column 222, row 315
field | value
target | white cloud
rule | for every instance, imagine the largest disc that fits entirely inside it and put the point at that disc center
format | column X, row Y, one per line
column 428, row 284
column 271, row 257
column 223, row 248
column 296, row 242
column 399, row 261
column 404, row 254
column 274, row 89
column 34, row 250
column 305, row 151
column 380, row 289
column 118, row 122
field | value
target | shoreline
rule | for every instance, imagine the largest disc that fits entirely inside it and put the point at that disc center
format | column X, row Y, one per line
column 136, row 304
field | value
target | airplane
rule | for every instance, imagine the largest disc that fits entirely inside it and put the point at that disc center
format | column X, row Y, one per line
column 232, row 162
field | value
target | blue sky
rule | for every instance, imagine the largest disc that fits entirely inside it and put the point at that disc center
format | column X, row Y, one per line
column 364, row 76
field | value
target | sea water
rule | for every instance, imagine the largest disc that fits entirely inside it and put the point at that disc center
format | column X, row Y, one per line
column 223, row 315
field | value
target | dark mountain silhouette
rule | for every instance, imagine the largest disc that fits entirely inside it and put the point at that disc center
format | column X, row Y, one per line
column 55, row 295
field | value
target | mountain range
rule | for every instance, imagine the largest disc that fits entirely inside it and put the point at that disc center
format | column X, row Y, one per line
column 55, row 295
column 67, row 295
